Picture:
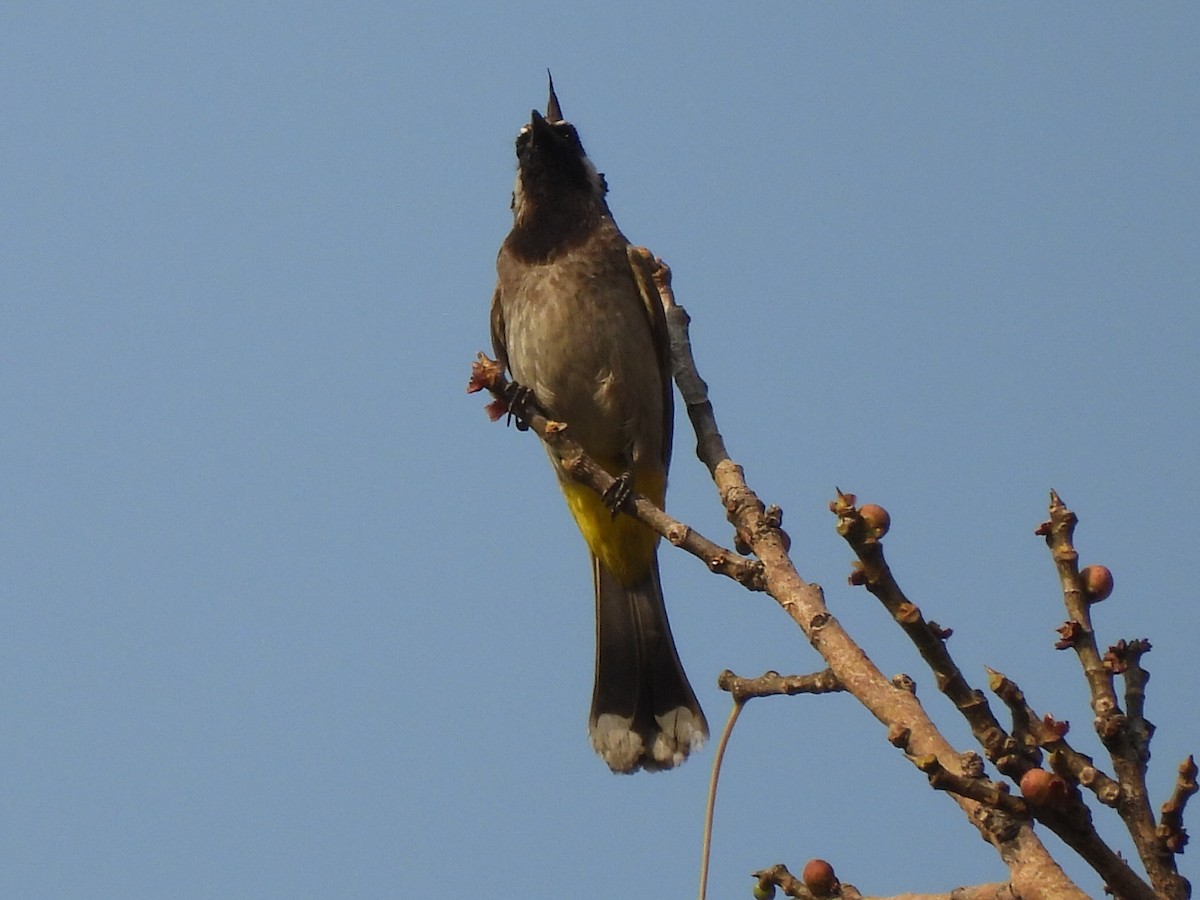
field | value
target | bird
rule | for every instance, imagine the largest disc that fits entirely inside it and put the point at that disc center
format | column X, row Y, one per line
column 579, row 330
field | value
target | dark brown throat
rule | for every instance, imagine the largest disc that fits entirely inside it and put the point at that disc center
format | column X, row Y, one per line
column 548, row 229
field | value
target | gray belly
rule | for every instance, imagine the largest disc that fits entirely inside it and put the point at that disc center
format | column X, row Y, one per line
column 585, row 348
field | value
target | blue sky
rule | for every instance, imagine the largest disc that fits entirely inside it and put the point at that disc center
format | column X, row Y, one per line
column 285, row 616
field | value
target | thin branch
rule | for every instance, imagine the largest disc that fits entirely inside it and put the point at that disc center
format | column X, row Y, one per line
column 778, row 876
column 1000, row 817
column 1124, row 658
column 992, row 793
column 1059, row 532
column 864, row 534
column 758, row 528
column 771, row 684
column 1074, row 825
column 1125, row 737
column 1170, row 827
column 743, row 689
column 1050, row 735
column 487, row 374
column 791, row 886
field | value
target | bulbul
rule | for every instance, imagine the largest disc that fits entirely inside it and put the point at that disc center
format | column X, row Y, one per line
column 574, row 324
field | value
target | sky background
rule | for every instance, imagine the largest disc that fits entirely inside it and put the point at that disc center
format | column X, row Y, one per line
column 283, row 615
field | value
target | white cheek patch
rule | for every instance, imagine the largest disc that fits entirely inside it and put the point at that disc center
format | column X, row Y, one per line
column 518, row 199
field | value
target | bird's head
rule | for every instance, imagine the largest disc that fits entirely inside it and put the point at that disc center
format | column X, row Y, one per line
column 552, row 167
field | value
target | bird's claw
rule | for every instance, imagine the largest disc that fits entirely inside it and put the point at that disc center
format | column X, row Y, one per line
column 521, row 405
column 617, row 494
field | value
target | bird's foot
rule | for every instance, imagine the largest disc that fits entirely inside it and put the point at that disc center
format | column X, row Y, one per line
column 522, row 404
column 617, row 494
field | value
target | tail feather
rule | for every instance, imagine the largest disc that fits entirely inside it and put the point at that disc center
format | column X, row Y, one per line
column 644, row 712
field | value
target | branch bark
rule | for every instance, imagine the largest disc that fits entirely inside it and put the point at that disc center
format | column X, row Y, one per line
column 1034, row 872
column 1003, row 820
column 1126, row 736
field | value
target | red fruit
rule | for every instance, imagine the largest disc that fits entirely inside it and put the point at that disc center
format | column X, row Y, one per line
column 1097, row 583
column 1042, row 788
column 876, row 519
column 819, row 878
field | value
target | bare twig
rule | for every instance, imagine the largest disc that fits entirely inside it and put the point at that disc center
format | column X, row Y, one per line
column 487, row 374
column 1034, row 871
column 771, row 684
column 1059, row 532
column 1170, row 827
column 1050, row 735
column 778, row 876
column 1013, row 754
column 1126, row 737
column 791, row 886
column 743, row 689
column 757, row 529
column 1124, row 658
column 873, row 572
column 992, row 793
column 1074, row 825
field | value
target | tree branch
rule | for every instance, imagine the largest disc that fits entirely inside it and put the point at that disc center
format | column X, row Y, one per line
column 1126, row 737
column 771, row 684
column 1050, row 735
column 808, row 888
column 487, row 374
column 863, row 530
column 1034, row 871
column 1170, row 828
column 1003, row 819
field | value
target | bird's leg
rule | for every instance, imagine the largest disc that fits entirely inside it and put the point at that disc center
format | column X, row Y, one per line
column 617, row 494
column 521, row 405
